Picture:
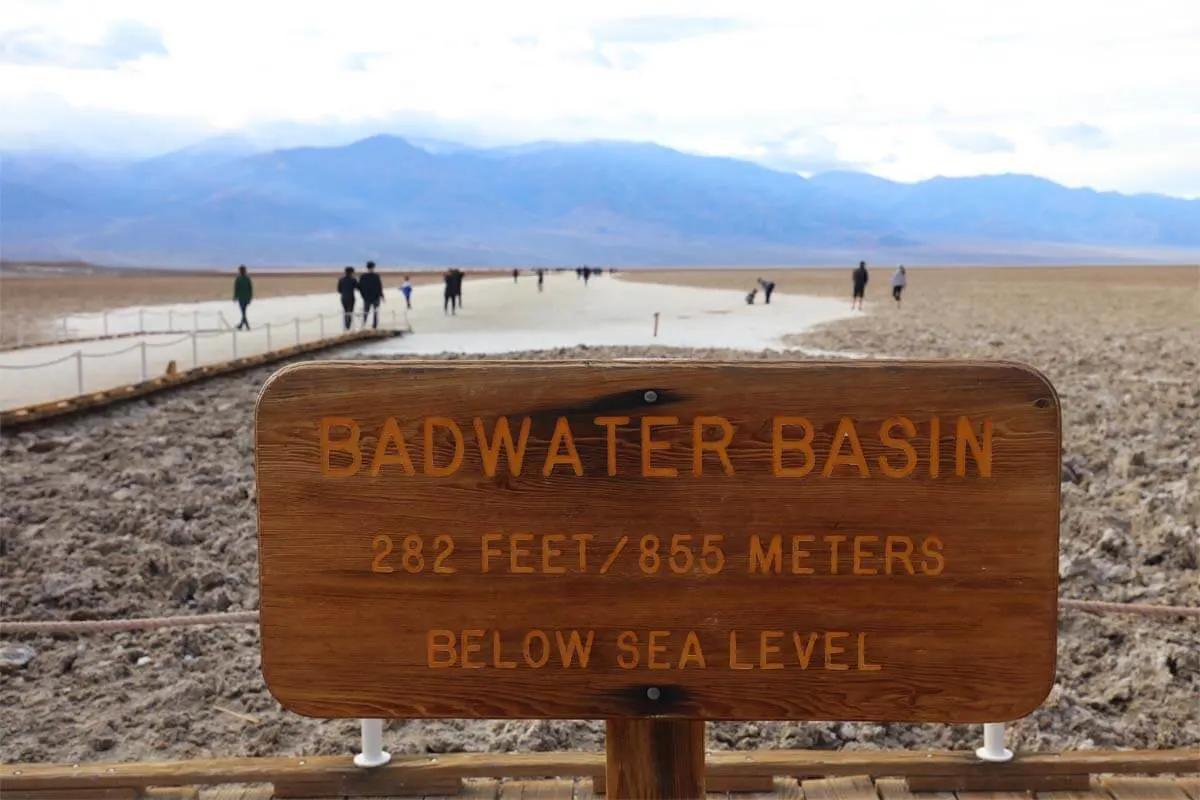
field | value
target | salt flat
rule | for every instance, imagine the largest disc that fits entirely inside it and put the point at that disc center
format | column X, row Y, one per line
column 500, row 316
column 503, row 316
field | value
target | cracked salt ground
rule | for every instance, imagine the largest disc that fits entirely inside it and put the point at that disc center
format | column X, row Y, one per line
column 148, row 509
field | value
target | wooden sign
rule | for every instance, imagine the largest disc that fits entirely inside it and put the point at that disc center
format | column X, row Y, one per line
column 805, row 541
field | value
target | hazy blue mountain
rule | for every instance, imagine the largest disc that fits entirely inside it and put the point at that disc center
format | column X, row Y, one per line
column 224, row 201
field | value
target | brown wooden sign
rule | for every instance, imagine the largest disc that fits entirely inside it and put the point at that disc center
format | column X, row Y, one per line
column 810, row 541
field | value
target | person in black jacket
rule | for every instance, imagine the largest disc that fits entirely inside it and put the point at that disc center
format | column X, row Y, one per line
column 450, row 293
column 860, row 278
column 768, row 287
column 458, row 282
column 370, row 286
column 346, row 287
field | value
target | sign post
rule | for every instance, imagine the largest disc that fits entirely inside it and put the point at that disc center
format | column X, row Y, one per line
column 658, row 544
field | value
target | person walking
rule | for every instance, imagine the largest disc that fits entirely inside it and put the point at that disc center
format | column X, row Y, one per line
column 860, row 278
column 449, row 293
column 541, row 275
column 516, row 273
column 406, row 290
column 243, row 293
column 458, row 284
column 347, row 285
column 370, row 286
column 899, row 281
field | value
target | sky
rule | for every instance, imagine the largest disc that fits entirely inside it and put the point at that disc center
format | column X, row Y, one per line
column 1105, row 95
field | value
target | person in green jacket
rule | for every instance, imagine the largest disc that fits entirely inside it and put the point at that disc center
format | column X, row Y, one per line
column 243, row 293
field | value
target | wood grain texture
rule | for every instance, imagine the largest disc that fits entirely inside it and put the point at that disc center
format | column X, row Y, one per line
column 897, row 789
column 924, row 598
column 213, row 771
column 654, row 759
column 1122, row 788
column 850, row 788
column 998, row 781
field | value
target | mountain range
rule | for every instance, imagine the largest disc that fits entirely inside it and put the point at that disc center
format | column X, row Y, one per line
column 552, row 203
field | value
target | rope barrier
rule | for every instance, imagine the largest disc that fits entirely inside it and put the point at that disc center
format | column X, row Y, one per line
column 184, row 338
column 67, row 357
column 171, row 343
column 120, row 352
column 247, row 617
column 146, row 623
column 1141, row 609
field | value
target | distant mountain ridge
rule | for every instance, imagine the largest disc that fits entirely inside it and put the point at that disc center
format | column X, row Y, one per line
column 546, row 203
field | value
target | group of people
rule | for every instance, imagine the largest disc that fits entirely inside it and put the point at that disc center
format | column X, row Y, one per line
column 860, row 277
column 768, row 287
column 368, row 286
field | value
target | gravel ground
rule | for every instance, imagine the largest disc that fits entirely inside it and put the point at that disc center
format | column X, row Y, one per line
column 148, row 509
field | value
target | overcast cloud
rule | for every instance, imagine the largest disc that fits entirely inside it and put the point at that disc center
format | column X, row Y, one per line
column 1085, row 93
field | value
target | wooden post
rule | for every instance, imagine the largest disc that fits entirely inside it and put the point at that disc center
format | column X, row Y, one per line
column 654, row 759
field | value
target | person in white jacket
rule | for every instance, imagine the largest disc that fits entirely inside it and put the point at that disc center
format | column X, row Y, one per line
column 899, row 281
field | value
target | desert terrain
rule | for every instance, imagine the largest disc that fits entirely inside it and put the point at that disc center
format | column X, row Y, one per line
column 148, row 509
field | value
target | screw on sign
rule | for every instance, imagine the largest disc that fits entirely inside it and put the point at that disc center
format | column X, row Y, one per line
column 659, row 544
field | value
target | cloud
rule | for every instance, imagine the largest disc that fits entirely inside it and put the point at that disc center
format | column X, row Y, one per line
column 803, row 151
column 978, row 142
column 618, row 58
column 123, row 42
column 45, row 121
column 662, row 29
column 359, row 62
column 741, row 78
column 1081, row 134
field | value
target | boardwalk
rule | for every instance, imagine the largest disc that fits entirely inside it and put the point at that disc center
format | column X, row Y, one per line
column 749, row 775
column 43, row 374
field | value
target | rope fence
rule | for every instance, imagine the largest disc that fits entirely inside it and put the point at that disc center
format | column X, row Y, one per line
column 225, row 343
column 82, row 327
column 371, row 752
column 251, row 617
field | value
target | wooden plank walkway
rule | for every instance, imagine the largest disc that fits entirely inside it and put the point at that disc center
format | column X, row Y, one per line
column 861, row 788
column 759, row 775
column 26, row 415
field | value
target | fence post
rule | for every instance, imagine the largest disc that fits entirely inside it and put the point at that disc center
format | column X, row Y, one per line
column 373, row 754
column 297, row 331
column 322, row 318
column 65, row 332
column 141, row 320
column 268, row 337
column 993, row 744
column 170, row 319
column 21, row 331
column 105, row 313
column 79, row 371
column 195, row 319
column 145, row 374
column 235, row 355
column 195, row 352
